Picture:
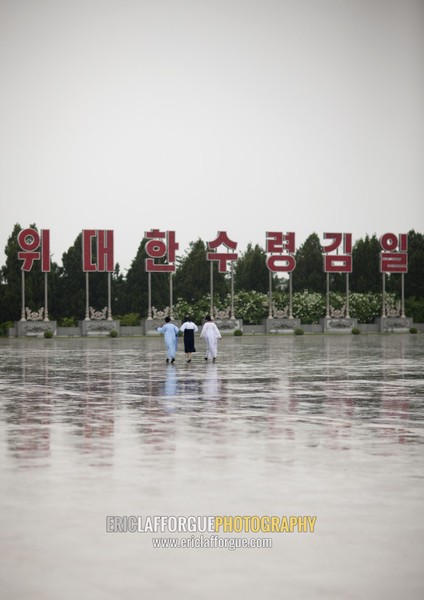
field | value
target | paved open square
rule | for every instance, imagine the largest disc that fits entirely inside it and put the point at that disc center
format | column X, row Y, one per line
column 96, row 430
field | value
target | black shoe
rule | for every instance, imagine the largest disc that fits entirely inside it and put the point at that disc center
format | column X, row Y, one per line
column 167, row 360
column 173, row 360
column 206, row 358
column 189, row 360
column 214, row 360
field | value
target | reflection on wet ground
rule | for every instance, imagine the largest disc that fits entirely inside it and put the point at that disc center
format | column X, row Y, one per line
column 330, row 426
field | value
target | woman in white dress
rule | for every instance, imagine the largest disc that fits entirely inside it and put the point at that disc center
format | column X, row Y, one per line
column 211, row 335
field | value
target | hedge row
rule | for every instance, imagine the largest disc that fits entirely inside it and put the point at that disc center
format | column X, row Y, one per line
column 253, row 307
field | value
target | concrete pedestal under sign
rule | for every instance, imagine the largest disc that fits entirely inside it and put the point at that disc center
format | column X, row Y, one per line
column 228, row 325
column 34, row 328
column 394, row 324
column 100, row 327
column 149, row 326
column 338, row 325
column 281, row 325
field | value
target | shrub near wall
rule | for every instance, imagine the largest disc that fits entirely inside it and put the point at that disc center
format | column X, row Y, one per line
column 252, row 307
column 308, row 307
column 68, row 322
column 129, row 319
column 414, row 307
column 365, row 307
column 4, row 328
column 196, row 310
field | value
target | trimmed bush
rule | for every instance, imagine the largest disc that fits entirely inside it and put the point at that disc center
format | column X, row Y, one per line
column 68, row 322
column 196, row 310
column 365, row 307
column 356, row 331
column 414, row 307
column 129, row 319
column 413, row 330
column 298, row 331
column 113, row 333
column 238, row 332
column 48, row 334
column 4, row 328
column 252, row 306
column 308, row 307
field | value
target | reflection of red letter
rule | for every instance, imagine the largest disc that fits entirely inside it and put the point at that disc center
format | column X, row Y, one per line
column 87, row 265
column 105, row 250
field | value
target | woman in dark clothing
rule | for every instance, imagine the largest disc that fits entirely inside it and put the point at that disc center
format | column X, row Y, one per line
column 189, row 328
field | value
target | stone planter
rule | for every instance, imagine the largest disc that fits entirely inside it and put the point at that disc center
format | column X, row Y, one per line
column 394, row 324
column 100, row 327
column 338, row 325
column 281, row 325
column 34, row 328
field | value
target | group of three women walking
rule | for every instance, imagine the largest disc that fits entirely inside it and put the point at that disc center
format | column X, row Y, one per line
column 210, row 333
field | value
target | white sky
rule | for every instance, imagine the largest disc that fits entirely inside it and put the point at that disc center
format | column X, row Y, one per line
column 201, row 115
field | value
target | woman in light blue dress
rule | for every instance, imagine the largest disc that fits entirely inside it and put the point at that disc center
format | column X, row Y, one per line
column 170, row 333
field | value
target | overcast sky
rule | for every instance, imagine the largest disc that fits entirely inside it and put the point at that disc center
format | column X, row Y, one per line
column 203, row 115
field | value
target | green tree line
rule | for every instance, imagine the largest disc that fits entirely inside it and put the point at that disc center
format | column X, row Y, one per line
column 191, row 281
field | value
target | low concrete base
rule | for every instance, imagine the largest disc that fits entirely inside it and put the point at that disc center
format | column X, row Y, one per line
column 281, row 325
column 228, row 326
column 149, row 326
column 68, row 332
column 34, row 328
column 394, row 324
column 340, row 325
column 101, row 327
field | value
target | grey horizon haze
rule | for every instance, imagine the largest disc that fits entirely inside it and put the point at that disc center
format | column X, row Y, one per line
column 201, row 116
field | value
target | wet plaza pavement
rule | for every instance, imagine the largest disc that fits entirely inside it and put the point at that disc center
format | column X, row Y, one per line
column 321, row 425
